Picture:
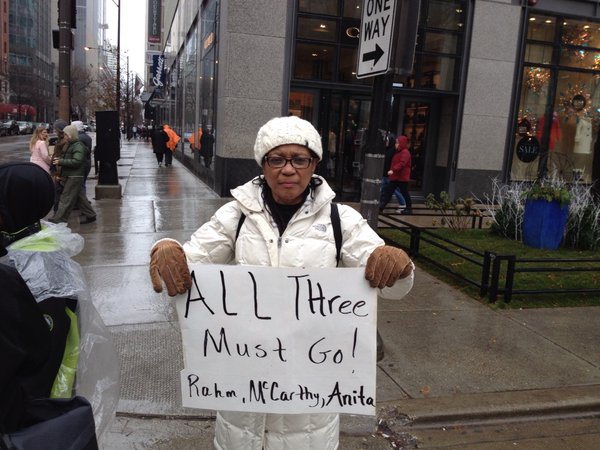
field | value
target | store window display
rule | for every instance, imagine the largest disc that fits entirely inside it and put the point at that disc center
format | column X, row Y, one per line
column 565, row 145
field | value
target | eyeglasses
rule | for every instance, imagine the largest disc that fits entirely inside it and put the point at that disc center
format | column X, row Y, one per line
column 297, row 162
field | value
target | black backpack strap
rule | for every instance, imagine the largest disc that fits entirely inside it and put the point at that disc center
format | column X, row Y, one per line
column 337, row 232
column 239, row 226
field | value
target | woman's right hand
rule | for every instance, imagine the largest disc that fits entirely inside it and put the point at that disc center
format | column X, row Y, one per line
column 168, row 263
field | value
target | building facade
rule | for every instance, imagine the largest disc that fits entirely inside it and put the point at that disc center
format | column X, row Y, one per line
column 29, row 62
column 499, row 89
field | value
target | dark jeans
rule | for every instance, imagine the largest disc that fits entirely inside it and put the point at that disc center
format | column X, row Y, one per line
column 169, row 157
column 388, row 191
column 397, row 193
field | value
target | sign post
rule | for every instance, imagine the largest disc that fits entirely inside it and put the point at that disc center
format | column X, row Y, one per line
column 387, row 41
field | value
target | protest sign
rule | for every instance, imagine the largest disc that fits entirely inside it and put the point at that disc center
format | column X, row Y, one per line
column 278, row 340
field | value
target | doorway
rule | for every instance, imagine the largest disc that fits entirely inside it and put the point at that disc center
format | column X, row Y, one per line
column 347, row 121
column 342, row 119
column 417, row 119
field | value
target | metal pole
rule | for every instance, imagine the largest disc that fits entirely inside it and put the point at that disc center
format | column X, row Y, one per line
column 127, row 124
column 64, row 59
column 118, row 105
column 374, row 157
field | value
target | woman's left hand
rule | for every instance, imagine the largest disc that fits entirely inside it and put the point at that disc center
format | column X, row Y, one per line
column 386, row 265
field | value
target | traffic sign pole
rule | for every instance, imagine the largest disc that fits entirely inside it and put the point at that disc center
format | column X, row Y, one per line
column 381, row 107
column 379, row 57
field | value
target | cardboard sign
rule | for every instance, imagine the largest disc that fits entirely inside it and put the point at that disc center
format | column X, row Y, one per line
column 264, row 339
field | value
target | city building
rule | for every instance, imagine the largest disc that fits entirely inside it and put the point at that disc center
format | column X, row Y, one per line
column 505, row 89
column 4, row 79
column 31, row 84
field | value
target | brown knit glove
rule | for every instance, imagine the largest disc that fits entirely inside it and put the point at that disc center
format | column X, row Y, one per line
column 386, row 265
column 167, row 262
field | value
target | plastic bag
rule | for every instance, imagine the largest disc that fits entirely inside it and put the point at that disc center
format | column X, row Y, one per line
column 44, row 262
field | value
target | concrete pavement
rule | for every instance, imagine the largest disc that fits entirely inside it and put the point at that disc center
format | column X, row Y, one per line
column 449, row 359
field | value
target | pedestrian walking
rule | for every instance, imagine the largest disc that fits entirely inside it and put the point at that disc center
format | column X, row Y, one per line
column 195, row 140
column 399, row 175
column 87, row 141
column 159, row 143
column 390, row 149
column 72, row 165
column 207, row 143
column 171, row 144
column 38, row 146
column 288, row 223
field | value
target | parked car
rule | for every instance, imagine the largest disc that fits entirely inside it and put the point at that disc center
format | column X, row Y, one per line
column 12, row 127
column 25, row 127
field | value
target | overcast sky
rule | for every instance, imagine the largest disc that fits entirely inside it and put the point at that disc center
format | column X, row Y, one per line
column 133, row 30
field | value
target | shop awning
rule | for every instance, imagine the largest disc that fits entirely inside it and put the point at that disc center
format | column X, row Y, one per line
column 12, row 108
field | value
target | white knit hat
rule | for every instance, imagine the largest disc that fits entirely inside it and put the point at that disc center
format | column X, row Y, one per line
column 78, row 124
column 286, row 130
column 71, row 131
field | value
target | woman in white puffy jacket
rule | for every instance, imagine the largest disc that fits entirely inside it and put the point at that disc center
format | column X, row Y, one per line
column 287, row 224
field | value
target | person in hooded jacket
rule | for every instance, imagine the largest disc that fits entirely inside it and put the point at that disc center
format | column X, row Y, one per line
column 87, row 141
column 159, row 143
column 50, row 334
column 72, row 164
column 398, row 176
column 207, row 143
column 390, row 150
column 288, row 224
column 25, row 342
column 171, row 144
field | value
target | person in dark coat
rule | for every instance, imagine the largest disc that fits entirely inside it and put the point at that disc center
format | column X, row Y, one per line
column 86, row 140
column 26, row 195
column 159, row 143
column 207, row 143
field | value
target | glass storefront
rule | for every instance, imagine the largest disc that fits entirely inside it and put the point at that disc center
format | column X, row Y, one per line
column 324, row 88
column 559, row 104
column 189, row 101
column 189, row 86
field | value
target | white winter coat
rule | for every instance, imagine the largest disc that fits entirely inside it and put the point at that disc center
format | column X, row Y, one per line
column 306, row 242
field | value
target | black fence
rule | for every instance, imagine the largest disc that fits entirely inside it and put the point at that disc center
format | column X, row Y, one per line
column 497, row 271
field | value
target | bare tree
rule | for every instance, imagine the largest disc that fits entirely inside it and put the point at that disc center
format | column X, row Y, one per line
column 82, row 87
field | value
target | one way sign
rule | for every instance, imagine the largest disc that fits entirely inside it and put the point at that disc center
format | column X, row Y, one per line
column 376, row 33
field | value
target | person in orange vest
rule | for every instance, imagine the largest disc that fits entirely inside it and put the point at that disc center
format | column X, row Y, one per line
column 196, row 137
column 171, row 144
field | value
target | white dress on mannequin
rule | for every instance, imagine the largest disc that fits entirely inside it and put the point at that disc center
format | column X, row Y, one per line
column 583, row 136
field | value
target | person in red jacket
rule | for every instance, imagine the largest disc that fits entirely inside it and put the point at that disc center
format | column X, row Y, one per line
column 399, row 175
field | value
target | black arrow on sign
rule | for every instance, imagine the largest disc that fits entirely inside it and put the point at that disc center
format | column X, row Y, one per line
column 374, row 55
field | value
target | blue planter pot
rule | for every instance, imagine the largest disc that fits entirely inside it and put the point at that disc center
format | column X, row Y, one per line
column 544, row 223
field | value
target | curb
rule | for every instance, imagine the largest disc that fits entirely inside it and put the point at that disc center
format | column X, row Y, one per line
column 570, row 401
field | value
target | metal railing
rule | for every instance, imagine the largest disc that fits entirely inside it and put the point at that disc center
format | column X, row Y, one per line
column 497, row 271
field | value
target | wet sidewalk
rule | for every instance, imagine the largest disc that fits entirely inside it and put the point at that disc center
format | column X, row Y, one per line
column 448, row 358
